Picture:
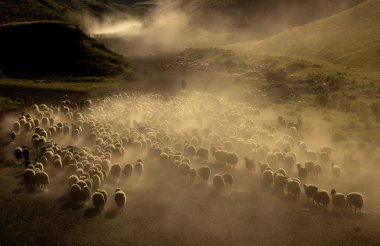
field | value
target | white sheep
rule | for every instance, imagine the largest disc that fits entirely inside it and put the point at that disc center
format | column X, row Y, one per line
column 86, row 194
column 310, row 189
column 289, row 162
column 41, row 179
column 338, row 200
column 76, row 193
column 268, row 178
column 280, row 182
column 115, row 170
column 293, row 187
column 120, row 198
column 204, row 173
column 98, row 200
column 104, row 193
column 228, row 179
column 29, row 177
column 321, row 197
column 127, row 170
column 355, row 200
column 139, row 168
column 203, row 154
column 218, row 182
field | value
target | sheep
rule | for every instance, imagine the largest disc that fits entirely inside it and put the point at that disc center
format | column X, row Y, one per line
column 190, row 151
column 293, row 187
column 218, row 183
column 104, row 193
column 310, row 189
column 16, row 126
column 264, row 167
column 139, row 169
column 317, row 170
column 289, row 162
column 228, row 179
column 302, row 173
column 57, row 163
column 280, row 182
column 76, row 193
column 40, row 166
column 321, row 197
column 86, row 194
column 202, row 153
column 127, row 170
column 29, row 177
column 338, row 200
column 106, row 165
column 272, row 160
column 249, row 164
column 281, row 171
column 267, row 178
column 164, row 159
column 335, row 170
column 232, row 159
column 120, row 198
column 12, row 135
column 115, row 170
column 204, row 173
column 220, row 157
column 73, row 179
column 96, row 182
column 293, row 132
column 183, row 169
column 192, row 175
column 355, row 200
column 98, row 200
column 41, row 179
column 309, row 165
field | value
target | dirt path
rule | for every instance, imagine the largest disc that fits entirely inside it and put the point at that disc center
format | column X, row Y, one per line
column 160, row 213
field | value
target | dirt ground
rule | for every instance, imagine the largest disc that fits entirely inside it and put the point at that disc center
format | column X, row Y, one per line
column 162, row 212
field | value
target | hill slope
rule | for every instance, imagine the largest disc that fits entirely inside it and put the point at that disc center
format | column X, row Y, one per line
column 64, row 10
column 262, row 17
column 350, row 38
column 40, row 49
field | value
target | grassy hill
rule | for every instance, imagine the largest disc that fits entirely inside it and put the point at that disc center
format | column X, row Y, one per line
column 350, row 38
column 40, row 49
column 65, row 10
column 261, row 17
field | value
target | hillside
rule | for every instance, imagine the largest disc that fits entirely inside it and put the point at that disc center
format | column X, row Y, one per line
column 65, row 10
column 349, row 38
column 261, row 18
column 40, row 49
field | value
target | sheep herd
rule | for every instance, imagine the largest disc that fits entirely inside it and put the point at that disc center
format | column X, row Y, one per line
column 185, row 138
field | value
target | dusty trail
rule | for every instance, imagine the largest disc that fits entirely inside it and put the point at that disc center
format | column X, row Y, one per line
column 160, row 213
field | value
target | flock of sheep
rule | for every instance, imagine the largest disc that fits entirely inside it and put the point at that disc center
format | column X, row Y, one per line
column 185, row 137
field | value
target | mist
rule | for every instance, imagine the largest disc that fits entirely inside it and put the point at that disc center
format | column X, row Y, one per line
column 148, row 136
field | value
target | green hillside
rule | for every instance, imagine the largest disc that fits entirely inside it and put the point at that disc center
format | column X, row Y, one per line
column 40, row 49
column 350, row 38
